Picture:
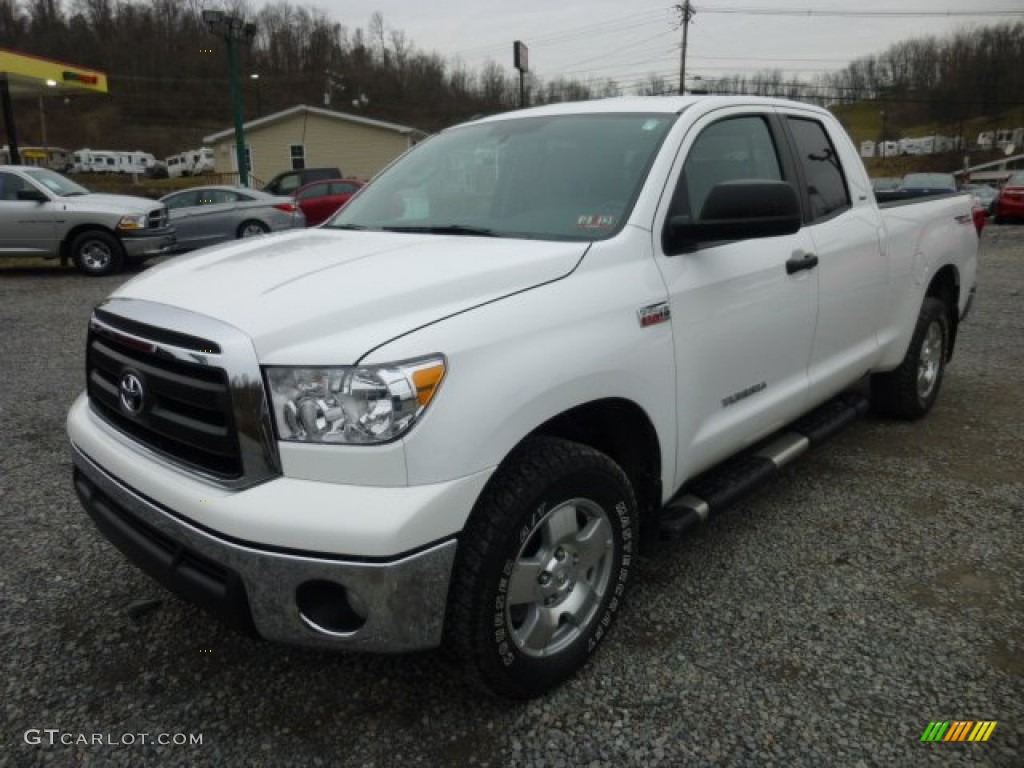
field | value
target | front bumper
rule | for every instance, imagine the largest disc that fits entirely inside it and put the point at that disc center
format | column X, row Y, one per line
column 148, row 242
column 298, row 598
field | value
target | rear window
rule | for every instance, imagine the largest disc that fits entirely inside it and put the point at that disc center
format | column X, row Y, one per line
column 826, row 185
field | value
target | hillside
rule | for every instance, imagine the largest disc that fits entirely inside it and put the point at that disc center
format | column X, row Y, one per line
column 863, row 121
column 169, row 86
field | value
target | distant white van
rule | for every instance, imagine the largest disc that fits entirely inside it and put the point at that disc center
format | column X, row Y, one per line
column 203, row 161
column 178, row 165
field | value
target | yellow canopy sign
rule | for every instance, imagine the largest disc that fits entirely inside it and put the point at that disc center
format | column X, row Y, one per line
column 34, row 76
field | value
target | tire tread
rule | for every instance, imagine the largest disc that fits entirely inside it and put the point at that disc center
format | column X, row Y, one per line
column 529, row 467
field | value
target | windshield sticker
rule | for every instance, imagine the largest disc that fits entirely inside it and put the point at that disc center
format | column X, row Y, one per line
column 596, row 221
column 650, row 125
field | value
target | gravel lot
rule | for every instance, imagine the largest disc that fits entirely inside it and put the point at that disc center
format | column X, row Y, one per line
column 877, row 586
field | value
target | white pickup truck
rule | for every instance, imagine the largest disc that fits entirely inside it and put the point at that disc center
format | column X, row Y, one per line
column 445, row 416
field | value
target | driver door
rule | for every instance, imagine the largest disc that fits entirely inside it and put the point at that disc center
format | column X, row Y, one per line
column 743, row 323
column 27, row 227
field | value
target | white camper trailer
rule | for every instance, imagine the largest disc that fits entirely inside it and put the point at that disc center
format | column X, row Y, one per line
column 178, row 165
column 203, row 161
column 102, row 161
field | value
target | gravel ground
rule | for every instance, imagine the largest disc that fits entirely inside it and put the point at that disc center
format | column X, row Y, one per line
column 877, row 586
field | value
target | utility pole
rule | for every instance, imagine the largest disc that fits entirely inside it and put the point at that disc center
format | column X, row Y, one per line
column 233, row 30
column 686, row 13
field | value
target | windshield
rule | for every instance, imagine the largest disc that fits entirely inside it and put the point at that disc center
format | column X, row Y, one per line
column 563, row 177
column 59, row 185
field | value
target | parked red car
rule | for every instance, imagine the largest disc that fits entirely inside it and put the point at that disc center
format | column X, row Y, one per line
column 1010, row 203
column 319, row 199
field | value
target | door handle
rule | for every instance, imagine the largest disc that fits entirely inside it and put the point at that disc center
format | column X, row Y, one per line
column 800, row 263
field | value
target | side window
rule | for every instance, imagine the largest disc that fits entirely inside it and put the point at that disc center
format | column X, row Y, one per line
column 222, row 196
column 10, row 185
column 288, row 184
column 731, row 149
column 826, row 185
column 313, row 190
column 297, row 152
column 182, row 200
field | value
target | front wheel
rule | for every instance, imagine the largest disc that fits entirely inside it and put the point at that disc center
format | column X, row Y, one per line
column 910, row 391
column 542, row 567
column 97, row 253
column 252, row 228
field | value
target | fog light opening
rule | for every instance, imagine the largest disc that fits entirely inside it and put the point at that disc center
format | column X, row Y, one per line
column 330, row 608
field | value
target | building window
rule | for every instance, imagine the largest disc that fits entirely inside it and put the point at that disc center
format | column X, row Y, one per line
column 298, row 155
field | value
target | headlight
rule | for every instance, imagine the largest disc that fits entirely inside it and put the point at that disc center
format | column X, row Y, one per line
column 352, row 405
column 135, row 221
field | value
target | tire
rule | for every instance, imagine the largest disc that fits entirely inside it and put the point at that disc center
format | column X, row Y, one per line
column 97, row 253
column 252, row 228
column 910, row 391
column 542, row 567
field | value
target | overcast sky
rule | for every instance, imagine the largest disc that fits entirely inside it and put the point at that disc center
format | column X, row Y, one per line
column 626, row 41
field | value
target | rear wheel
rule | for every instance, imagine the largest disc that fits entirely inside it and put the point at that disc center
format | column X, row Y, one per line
column 97, row 253
column 542, row 567
column 252, row 228
column 910, row 391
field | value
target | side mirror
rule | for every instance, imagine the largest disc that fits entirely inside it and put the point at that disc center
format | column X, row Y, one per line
column 737, row 210
column 32, row 196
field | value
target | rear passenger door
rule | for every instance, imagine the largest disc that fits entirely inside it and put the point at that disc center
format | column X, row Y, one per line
column 846, row 230
column 742, row 323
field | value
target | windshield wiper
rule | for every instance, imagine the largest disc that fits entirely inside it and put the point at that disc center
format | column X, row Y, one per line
column 447, row 229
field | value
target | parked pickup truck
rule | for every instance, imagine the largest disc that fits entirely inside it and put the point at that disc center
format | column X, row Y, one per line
column 45, row 214
column 447, row 415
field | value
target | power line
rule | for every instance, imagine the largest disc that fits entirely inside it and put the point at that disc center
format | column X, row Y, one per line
column 610, row 26
column 604, row 55
column 769, row 11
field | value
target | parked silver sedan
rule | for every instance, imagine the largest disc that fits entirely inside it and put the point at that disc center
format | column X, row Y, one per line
column 206, row 215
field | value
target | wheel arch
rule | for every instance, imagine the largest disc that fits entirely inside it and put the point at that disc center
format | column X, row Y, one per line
column 624, row 432
column 252, row 220
column 945, row 286
column 78, row 229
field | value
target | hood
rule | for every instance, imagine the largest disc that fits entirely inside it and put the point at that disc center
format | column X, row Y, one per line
column 322, row 296
column 96, row 201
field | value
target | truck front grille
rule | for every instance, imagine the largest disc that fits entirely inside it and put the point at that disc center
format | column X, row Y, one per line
column 177, row 408
column 158, row 218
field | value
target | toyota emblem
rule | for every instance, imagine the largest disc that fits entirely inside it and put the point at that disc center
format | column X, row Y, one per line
column 131, row 394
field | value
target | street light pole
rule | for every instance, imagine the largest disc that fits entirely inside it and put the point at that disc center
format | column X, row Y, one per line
column 233, row 30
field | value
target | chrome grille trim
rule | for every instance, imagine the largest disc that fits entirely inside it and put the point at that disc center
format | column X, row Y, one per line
column 227, row 361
